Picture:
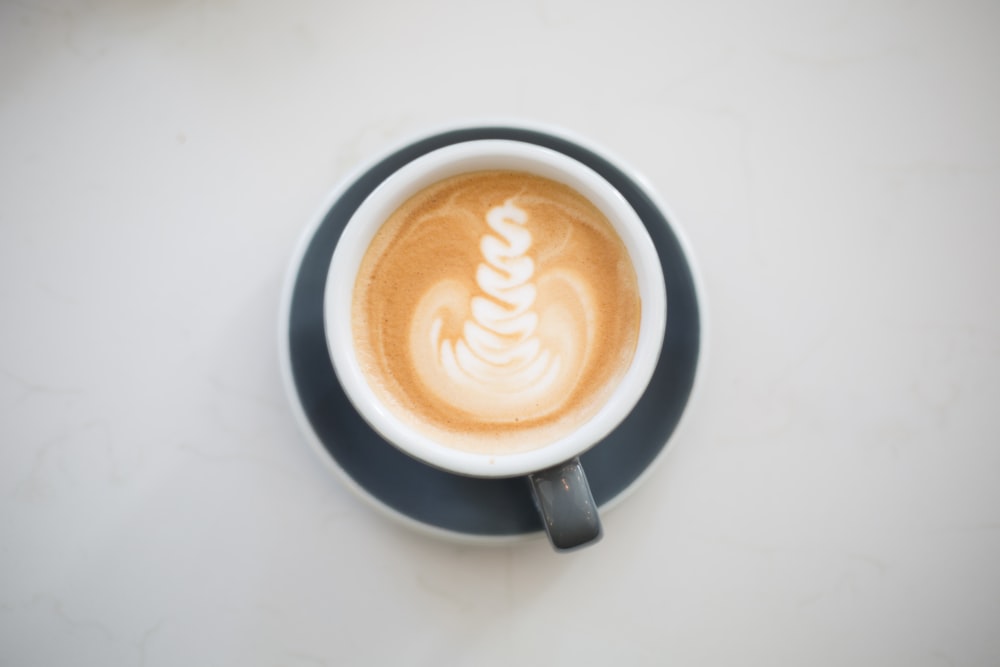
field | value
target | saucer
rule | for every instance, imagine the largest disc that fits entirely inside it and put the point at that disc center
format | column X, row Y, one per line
column 425, row 497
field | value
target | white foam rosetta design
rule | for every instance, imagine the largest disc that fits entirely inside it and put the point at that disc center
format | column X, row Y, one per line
column 499, row 368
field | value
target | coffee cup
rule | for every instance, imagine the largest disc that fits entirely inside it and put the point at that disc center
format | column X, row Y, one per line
column 494, row 309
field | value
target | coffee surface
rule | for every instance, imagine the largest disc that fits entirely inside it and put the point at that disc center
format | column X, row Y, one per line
column 495, row 311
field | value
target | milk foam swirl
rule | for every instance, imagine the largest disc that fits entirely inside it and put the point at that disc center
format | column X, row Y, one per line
column 495, row 311
column 515, row 358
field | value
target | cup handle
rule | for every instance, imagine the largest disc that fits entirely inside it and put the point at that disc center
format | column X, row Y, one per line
column 563, row 498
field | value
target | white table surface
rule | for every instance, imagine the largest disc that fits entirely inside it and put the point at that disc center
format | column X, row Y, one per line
column 832, row 496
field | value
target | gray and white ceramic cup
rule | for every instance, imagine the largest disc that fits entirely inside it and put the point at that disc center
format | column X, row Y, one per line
column 557, row 479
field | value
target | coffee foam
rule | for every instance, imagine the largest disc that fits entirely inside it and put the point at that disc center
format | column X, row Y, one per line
column 495, row 311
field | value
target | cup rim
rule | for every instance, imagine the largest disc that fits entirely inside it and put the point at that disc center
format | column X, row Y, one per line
column 432, row 167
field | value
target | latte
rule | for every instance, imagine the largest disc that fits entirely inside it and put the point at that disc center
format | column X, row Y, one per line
column 495, row 311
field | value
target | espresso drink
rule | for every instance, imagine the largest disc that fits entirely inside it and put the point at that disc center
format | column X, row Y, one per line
column 495, row 311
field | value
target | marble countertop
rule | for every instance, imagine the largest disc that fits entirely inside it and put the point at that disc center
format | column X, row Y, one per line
column 831, row 497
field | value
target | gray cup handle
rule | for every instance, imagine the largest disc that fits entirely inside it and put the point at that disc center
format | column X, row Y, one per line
column 563, row 498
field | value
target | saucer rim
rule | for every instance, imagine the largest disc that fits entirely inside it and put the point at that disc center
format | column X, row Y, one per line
column 306, row 238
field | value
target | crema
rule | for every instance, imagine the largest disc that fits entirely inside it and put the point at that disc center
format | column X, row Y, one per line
column 495, row 311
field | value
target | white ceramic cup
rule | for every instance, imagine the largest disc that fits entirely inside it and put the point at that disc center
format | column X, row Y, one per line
column 558, row 482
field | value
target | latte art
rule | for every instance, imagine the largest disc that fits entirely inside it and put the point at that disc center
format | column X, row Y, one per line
column 499, row 364
column 495, row 311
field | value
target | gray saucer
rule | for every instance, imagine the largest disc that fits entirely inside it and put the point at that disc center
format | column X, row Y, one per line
column 440, row 501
